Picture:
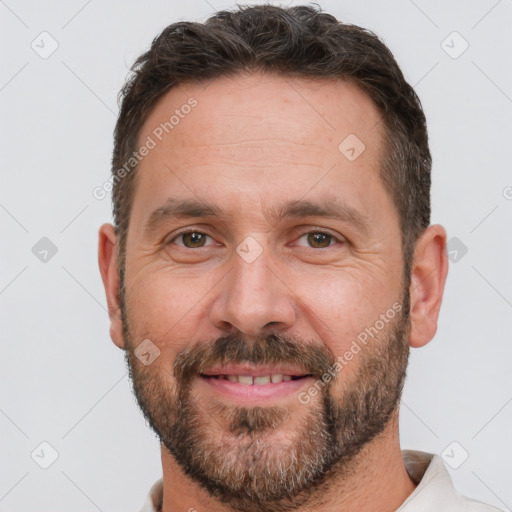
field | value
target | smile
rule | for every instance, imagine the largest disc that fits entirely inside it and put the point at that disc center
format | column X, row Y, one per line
column 249, row 383
column 249, row 380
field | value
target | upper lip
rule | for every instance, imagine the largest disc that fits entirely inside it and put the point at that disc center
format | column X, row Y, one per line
column 254, row 371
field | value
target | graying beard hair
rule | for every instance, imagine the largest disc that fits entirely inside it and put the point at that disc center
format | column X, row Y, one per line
column 285, row 478
column 331, row 438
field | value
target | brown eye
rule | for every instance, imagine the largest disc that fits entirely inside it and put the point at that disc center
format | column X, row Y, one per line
column 319, row 240
column 192, row 239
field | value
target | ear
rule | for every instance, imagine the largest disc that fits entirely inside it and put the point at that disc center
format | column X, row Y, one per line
column 107, row 246
column 428, row 277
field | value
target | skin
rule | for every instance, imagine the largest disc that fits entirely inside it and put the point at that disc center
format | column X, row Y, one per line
column 259, row 140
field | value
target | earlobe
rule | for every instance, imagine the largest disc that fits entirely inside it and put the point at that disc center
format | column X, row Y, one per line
column 107, row 245
column 428, row 277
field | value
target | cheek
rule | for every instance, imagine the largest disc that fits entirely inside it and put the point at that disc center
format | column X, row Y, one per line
column 343, row 304
column 165, row 310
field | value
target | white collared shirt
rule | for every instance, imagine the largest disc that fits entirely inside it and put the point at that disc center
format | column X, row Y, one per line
column 434, row 491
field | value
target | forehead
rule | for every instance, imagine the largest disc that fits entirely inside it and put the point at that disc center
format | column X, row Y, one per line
column 229, row 109
column 262, row 136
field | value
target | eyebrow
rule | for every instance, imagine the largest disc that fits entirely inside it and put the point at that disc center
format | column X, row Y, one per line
column 330, row 208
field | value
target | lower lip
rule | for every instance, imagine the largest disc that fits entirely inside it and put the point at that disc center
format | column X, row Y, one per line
column 255, row 393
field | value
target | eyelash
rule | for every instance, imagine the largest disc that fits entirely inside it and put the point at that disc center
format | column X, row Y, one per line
column 315, row 231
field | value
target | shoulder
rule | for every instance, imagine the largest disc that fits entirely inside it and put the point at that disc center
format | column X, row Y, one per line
column 435, row 491
column 154, row 499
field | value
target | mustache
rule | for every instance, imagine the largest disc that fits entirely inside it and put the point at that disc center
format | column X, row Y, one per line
column 271, row 349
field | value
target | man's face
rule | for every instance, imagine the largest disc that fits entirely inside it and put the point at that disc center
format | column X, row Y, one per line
column 265, row 294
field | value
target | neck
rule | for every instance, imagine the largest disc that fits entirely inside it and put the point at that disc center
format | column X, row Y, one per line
column 377, row 480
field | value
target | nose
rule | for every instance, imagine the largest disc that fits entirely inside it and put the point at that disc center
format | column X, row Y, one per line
column 254, row 298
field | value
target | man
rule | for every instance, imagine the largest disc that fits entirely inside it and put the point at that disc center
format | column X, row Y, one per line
column 271, row 263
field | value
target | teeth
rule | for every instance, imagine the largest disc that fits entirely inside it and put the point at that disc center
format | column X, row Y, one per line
column 248, row 380
column 262, row 380
column 245, row 379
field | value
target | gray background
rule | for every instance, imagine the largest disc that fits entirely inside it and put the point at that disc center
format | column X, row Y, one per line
column 62, row 379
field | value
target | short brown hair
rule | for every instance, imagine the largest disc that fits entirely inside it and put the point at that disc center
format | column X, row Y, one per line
column 299, row 41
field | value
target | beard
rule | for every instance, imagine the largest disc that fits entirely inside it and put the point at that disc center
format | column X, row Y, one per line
column 271, row 458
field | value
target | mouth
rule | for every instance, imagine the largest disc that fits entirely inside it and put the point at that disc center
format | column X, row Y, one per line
column 254, row 384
